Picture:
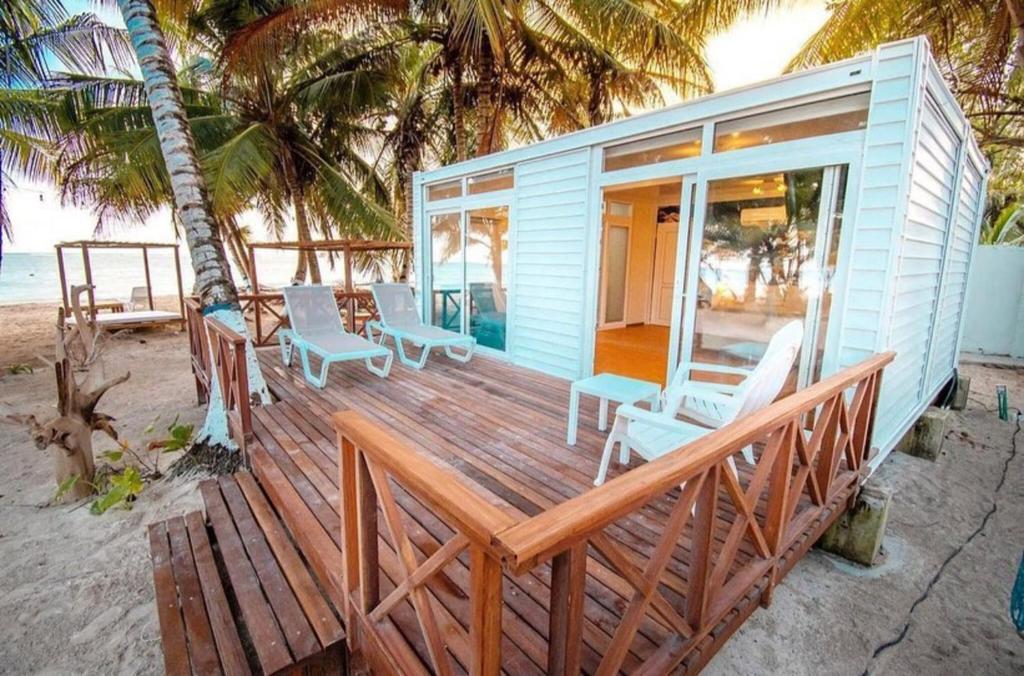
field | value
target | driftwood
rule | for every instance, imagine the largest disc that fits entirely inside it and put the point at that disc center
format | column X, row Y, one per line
column 80, row 385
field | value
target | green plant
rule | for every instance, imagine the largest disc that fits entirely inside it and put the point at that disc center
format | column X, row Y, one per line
column 121, row 490
column 66, row 486
column 1007, row 228
column 126, row 471
column 16, row 369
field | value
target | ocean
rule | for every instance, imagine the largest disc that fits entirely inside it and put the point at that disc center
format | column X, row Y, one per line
column 33, row 277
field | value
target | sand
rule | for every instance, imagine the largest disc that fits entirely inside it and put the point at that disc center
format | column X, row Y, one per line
column 76, row 594
column 27, row 331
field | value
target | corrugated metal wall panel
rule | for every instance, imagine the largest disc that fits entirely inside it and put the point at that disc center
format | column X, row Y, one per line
column 951, row 304
column 550, row 252
column 919, row 271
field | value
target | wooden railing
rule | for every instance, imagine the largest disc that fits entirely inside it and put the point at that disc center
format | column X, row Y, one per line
column 197, row 349
column 813, row 448
column 370, row 461
column 227, row 356
column 266, row 315
column 212, row 344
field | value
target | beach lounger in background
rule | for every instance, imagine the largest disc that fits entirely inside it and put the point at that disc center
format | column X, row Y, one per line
column 400, row 320
column 316, row 327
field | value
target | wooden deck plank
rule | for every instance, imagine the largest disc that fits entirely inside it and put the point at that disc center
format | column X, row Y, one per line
column 503, row 428
column 302, row 640
column 320, row 614
column 270, row 645
column 225, row 632
column 202, row 648
column 172, row 625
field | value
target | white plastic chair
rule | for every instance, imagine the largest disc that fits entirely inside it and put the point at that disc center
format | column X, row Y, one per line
column 400, row 320
column 652, row 435
column 139, row 299
column 316, row 327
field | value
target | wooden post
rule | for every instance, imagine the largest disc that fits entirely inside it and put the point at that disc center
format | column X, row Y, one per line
column 88, row 281
column 369, row 567
column 149, row 283
column 698, row 594
column 349, row 289
column 349, row 525
column 181, row 290
column 257, row 308
column 485, row 600
column 565, row 635
column 63, row 279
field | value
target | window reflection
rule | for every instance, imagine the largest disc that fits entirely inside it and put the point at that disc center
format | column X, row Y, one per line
column 446, row 270
column 486, row 265
column 846, row 113
column 757, row 263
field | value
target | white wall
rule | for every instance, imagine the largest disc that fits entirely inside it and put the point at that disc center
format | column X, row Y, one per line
column 937, row 219
column 995, row 302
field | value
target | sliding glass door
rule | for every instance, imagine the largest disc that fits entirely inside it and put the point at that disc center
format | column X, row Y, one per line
column 765, row 256
column 469, row 273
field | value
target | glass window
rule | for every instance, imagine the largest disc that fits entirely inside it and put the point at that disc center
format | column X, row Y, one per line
column 443, row 191
column 757, row 264
column 846, row 113
column 665, row 148
column 446, row 270
column 486, row 264
column 503, row 179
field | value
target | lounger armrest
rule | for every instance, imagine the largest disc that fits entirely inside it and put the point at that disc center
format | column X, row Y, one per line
column 705, row 386
column 715, row 368
column 660, row 420
column 707, row 394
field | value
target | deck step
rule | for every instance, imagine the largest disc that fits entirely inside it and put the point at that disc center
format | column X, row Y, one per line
column 233, row 593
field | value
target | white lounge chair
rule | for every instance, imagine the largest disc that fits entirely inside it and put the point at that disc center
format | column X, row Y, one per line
column 400, row 320
column 139, row 300
column 316, row 327
column 652, row 435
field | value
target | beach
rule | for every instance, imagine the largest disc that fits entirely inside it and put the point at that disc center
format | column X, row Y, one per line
column 28, row 331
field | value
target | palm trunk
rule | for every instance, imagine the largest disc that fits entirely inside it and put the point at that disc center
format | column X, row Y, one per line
column 1016, row 11
column 458, row 108
column 485, row 108
column 307, row 259
column 235, row 244
column 216, row 289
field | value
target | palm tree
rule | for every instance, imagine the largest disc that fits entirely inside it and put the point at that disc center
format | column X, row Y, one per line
column 978, row 45
column 502, row 57
column 214, row 285
column 38, row 37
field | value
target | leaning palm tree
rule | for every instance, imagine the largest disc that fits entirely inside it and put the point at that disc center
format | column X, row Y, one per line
column 213, row 283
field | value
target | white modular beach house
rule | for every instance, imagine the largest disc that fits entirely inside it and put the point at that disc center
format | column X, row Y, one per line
column 849, row 196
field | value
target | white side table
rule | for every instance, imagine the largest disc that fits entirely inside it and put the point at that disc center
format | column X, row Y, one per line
column 607, row 386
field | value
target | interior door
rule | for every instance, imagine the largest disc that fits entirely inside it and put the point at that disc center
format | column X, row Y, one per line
column 664, row 273
column 618, row 220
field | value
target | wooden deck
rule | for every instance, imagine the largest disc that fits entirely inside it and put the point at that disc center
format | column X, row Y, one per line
column 501, row 429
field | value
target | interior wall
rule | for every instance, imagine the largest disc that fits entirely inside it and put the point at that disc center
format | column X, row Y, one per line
column 641, row 244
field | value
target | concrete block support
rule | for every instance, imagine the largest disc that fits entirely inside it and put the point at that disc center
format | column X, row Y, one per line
column 857, row 534
column 924, row 440
column 963, row 390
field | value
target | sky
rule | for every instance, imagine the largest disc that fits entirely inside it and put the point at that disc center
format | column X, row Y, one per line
column 755, row 49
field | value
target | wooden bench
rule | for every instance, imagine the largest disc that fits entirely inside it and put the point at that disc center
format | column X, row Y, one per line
column 242, row 601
